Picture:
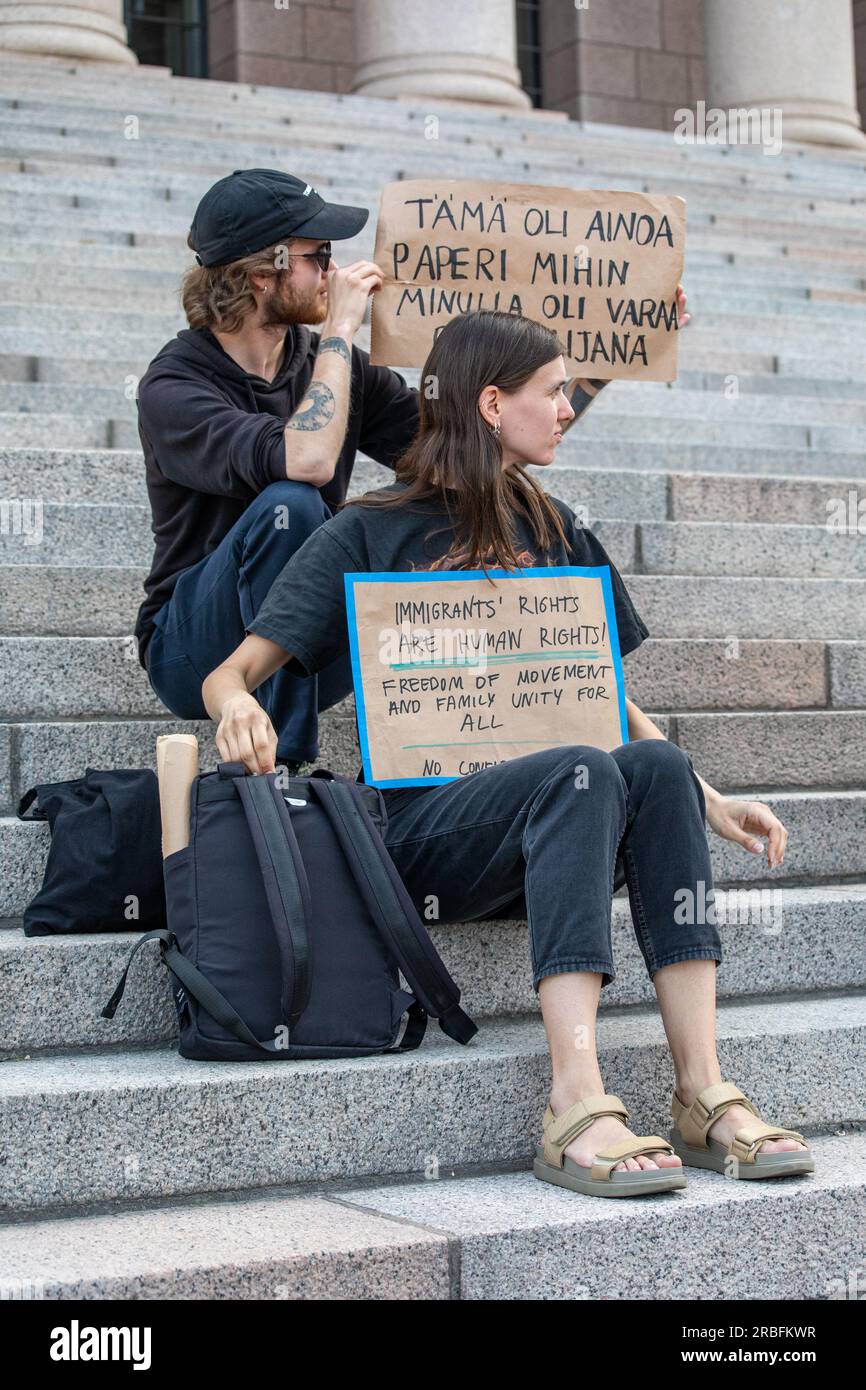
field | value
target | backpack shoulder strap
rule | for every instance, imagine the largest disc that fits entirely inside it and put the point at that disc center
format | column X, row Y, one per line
column 392, row 909
column 286, row 885
column 198, row 985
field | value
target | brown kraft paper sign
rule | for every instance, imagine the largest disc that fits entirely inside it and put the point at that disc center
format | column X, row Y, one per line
column 454, row 673
column 600, row 268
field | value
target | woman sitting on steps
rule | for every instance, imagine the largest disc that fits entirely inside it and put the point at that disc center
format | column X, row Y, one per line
column 522, row 830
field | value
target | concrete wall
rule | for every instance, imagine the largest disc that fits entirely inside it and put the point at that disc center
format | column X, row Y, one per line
column 632, row 62
column 309, row 44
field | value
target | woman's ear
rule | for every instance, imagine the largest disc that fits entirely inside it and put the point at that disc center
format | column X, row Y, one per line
column 488, row 404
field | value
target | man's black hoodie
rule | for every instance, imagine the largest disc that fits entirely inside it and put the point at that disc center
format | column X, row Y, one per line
column 213, row 439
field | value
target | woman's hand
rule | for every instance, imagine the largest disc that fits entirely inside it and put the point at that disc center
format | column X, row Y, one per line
column 744, row 821
column 682, row 317
column 246, row 735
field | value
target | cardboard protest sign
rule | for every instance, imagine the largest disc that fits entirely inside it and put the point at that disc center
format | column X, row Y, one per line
column 599, row 268
column 453, row 673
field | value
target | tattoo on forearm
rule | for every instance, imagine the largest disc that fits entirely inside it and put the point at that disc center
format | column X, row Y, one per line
column 336, row 345
column 316, row 409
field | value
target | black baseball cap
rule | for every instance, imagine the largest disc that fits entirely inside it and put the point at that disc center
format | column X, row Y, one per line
column 253, row 208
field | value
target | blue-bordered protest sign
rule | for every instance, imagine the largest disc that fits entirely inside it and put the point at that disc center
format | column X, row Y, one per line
column 454, row 673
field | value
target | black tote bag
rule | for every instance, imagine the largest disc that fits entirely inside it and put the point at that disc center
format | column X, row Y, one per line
column 104, row 869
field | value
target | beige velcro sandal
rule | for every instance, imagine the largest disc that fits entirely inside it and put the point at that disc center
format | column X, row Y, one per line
column 691, row 1141
column 551, row 1163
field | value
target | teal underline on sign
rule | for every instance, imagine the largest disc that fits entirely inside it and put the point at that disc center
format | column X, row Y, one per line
column 477, row 742
column 495, row 660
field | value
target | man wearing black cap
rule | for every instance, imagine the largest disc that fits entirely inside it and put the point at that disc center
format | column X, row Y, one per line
column 250, row 423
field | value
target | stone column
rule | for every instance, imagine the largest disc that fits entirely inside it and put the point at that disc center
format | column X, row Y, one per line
column 795, row 55
column 66, row 29
column 461, row 50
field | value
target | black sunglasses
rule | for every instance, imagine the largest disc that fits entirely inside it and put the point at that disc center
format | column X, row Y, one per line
column 322, row 255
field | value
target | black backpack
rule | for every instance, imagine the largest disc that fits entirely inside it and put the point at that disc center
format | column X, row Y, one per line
column 287, row 921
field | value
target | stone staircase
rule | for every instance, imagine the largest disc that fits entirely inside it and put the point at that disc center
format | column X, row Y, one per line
column 129, row 1173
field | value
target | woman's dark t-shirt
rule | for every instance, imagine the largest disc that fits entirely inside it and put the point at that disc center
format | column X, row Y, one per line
column 305, row 609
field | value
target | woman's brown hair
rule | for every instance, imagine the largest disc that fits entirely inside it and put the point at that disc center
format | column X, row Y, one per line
column 457, row 460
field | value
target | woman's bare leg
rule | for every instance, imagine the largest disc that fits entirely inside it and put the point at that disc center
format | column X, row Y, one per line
column 569, row 1004
column 687, row 998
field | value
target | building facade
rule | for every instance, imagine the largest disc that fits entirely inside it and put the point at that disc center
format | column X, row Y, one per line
column 624, row 62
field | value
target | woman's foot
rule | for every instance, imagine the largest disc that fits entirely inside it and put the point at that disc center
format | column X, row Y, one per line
column 726, row 1126
column 603, row 1132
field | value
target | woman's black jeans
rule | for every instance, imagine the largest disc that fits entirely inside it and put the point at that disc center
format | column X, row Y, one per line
column 550, row 836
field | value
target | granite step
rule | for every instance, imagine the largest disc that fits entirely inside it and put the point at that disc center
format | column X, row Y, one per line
column 783, row 501
column 98, row 677
column 444, row 1236
column 663, row 453
column 116, row 477
column 635, row 405
column 19, row 430
column 764, row 383
column 37, row 82
column 113, row 249
column 40, row 132
column 132, row 267
column 777, row 940
column 88, row 221
column 33, row 752
column 738, row 323
column 781, row 750
column 234, row 111
column 760, row 230
column 228, row 100
column 120, row 535
column 16, row 269
column 69, row 159
column 114, row 1114
column 754, row 548
column 112, row 321
column 70, row 412
column 813, row 442
column 102, row 600
column 788, row 374
column 650, row 400
column 827, row 842
column 157, row 299
column 256, row 1247
column 760, row 238
column 711, row 387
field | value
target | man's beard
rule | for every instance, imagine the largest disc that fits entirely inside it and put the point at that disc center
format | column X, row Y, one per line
column 284, row 304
